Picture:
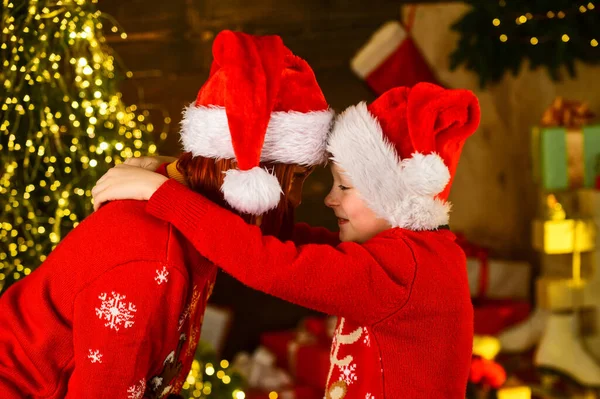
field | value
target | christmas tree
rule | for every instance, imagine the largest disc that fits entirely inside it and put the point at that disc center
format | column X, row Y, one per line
column 211, row 378
column 499, row 35
column 63, row 123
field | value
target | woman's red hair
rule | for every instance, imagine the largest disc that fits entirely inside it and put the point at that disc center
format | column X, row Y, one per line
column 205, row 175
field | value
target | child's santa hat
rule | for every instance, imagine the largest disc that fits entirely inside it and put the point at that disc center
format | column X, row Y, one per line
column 401, row 151
column 260, row 103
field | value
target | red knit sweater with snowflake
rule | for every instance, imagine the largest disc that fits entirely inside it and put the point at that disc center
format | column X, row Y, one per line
column 406, row 320
column 114, row 312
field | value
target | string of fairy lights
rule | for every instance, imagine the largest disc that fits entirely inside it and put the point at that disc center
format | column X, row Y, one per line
column 549, row 15
column 196, row 385
column 63, row 124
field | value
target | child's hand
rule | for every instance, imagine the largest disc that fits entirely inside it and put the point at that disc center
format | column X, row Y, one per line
column 150, row 163
column 126, row 182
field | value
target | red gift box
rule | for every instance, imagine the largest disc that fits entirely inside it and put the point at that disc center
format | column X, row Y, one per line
column 278, row 343
column 494, row 315
column 306, row 359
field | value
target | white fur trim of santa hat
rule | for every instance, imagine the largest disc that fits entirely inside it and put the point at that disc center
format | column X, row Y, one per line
column 380, row 46
column 399, row 191
column 292, row 137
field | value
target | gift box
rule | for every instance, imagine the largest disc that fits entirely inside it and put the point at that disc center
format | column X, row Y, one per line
column 260, row 371
column 565, row 147
column 564, row 236
column 491, row 316
column 303, row 354
column 514, row 389
column 518, row 392
column 589, row 203
column 563, row 294
column 278, row 343
column 494, row 278
column 499, row 279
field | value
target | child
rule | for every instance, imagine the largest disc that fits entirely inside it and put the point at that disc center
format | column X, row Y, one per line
column 116, row 310
column 397, row 280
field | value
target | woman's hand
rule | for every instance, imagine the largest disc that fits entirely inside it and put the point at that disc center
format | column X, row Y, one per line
column 126, row 182
column 150, row 163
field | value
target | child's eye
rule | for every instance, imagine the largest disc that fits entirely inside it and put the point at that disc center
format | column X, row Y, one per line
column 341, row 187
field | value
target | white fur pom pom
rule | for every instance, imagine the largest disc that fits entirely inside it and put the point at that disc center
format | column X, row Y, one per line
column 425, row 175
column 253, row 191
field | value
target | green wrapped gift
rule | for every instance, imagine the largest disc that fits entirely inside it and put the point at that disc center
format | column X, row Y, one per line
column 565, row 147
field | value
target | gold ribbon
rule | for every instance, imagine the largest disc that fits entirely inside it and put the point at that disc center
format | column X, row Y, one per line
column 572, row 115
column 569, row 114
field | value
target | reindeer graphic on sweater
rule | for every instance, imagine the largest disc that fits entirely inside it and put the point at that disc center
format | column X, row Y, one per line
column 350, row 352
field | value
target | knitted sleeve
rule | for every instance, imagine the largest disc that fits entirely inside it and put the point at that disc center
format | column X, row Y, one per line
column 162, row 169
column 349, row 280
column 124, row 326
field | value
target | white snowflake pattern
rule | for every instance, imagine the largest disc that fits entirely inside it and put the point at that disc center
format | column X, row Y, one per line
column 115, row 311
column 95, row 356
column 136, row 391
column 162, row 276
column 370, row 396
column 348, row 373
column 367, row 339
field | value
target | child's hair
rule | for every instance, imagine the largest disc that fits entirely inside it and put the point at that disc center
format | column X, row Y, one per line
column 205, row 175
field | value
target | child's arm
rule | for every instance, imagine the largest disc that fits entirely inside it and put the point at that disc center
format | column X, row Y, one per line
column 302, row 234
column 347, row 280
column 123, row 328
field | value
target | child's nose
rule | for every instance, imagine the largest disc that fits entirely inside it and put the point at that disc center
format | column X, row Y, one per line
column 331, row 200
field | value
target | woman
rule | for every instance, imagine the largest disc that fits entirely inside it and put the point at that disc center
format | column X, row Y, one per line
column 111, row 314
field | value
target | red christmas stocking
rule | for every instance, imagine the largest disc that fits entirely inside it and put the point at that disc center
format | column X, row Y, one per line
column 390, row 59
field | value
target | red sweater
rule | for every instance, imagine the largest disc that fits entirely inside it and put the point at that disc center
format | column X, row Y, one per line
column 406, row 320
column 114, row 312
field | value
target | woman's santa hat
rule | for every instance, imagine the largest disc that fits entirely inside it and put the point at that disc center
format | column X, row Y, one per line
column 261, row 103
column 401, row 151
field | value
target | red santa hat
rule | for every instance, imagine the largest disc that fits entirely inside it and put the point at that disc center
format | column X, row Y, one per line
column 261, row 103
column 401, row 151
